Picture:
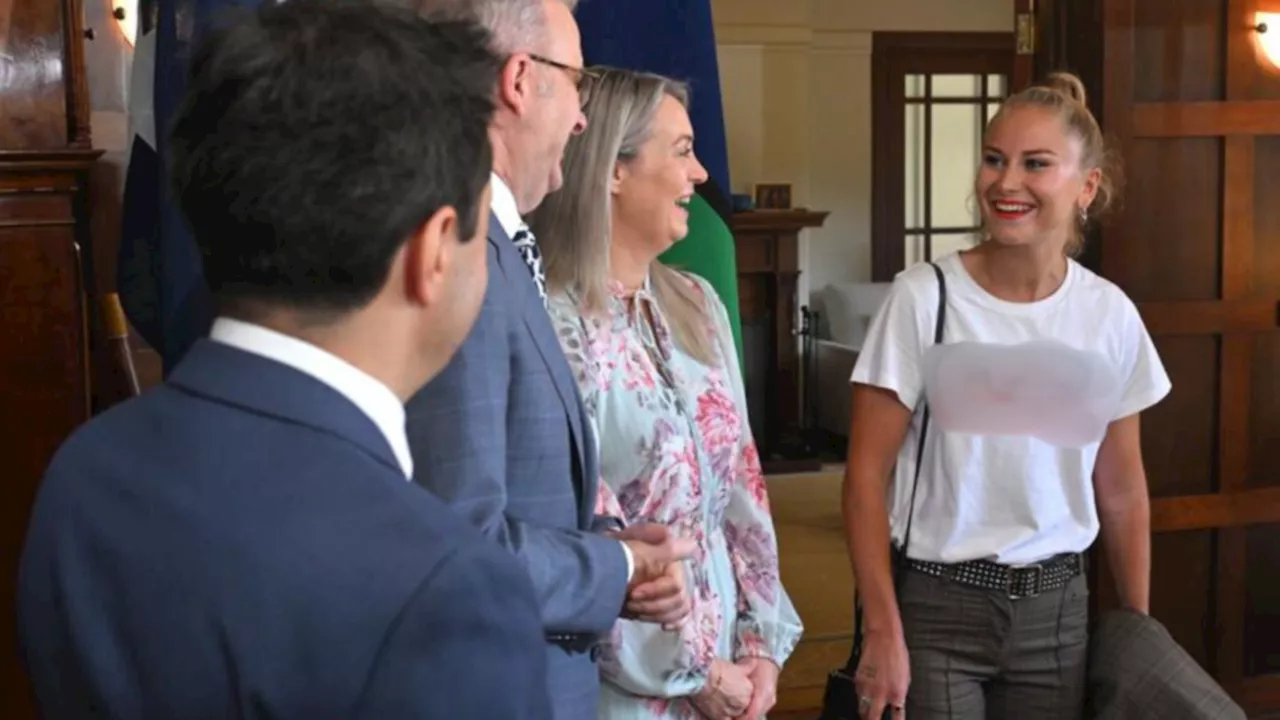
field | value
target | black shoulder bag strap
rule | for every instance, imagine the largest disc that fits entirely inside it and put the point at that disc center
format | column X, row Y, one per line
column 855, row 655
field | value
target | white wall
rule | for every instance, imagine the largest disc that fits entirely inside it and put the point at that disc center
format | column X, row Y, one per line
column 796, row 81
column 108, row 62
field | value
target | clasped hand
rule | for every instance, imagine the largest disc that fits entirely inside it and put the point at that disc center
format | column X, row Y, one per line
column 742, row 691
column 657, row 590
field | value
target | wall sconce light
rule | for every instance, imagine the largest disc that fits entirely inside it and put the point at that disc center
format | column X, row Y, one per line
column 1267, row 29
column 126, row 14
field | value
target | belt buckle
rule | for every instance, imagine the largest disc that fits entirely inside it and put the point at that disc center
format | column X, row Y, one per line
column 1035, row 586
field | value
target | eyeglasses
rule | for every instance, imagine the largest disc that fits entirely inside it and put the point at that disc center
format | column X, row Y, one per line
column 582, row 78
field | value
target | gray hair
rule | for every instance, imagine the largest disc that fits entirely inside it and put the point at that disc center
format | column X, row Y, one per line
column 574, row 225
column 515, row 25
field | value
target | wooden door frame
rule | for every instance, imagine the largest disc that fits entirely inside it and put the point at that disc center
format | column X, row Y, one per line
column 1235, row 317
column 894, row 54
column 1026, row 32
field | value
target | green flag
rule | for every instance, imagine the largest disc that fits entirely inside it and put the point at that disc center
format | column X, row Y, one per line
column 708, row 250
column 676, row 38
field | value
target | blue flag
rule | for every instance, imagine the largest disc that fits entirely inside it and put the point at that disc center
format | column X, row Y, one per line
column 160, row 276
column 676, row 38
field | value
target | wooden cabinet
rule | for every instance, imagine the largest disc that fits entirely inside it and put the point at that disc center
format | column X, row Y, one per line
column 767, row 247
column 45, row 275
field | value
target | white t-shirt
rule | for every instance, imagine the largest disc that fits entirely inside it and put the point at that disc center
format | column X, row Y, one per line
column 1021, row 395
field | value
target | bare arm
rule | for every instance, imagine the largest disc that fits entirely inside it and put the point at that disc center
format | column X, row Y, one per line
column 877, row 428
column 1124, row 509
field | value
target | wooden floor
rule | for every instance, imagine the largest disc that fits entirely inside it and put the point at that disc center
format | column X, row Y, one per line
column 815, row 571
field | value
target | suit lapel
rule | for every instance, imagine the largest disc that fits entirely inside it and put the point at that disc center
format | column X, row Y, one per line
column 256, row 384
column 534, row 316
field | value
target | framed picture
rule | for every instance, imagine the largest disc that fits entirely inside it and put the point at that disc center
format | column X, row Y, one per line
column 773, row 196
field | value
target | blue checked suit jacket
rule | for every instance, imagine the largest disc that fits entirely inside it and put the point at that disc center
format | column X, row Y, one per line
column 502, row 436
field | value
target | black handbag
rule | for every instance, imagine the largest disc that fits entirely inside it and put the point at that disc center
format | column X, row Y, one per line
column 840, row 700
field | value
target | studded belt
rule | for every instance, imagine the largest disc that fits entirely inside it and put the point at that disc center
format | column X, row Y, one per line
column 1015, row 581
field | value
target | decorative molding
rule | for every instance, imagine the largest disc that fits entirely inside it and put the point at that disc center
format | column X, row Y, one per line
column 857, row 42
column 771, row 35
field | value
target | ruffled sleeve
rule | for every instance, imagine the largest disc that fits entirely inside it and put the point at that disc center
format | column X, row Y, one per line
column 768, row 625
column 640, row 657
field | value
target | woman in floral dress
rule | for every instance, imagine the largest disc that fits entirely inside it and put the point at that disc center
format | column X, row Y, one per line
column 654, row 358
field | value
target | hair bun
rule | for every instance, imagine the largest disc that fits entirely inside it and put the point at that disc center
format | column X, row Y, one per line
column 1067, row 84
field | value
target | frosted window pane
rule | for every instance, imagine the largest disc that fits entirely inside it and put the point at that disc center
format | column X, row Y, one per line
column 956, row 147
column 992, row 109
column 951, row 242
column 995, row 86
column 915, row 86
column 957, row 86
column 913, row 189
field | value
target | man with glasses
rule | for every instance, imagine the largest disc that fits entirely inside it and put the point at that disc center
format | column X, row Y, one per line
column 501, row 434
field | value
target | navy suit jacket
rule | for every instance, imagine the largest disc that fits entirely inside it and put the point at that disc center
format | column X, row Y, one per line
column 240, row 542
column 502, row 435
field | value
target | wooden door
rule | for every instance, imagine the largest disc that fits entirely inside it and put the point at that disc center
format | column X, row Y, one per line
column 1025, row 31
column 1196, row 118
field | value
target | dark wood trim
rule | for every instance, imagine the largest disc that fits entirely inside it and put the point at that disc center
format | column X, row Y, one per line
column 77, row 159
column 1023, row 72
column 1209, row 317
column 1219, row 510
column 1207, row 119
column 77, row 87
column 777, row 220
column 1117, row 78
column 926, row 181
column 1235, row 360
column 886, row 41
column 887, row 176
column 1068, row 38
column 972, row 100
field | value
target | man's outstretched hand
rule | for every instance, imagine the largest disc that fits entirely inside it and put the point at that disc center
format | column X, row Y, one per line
column 657, row 591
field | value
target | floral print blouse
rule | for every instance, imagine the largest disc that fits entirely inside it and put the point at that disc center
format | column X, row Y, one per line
column 676, row 448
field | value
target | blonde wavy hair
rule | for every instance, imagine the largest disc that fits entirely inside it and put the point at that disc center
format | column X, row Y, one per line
column 574, row 226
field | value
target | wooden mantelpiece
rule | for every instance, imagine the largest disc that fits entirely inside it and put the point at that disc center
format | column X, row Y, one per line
column 768, row 261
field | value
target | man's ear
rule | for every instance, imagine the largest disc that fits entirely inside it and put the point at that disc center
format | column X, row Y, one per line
column 428, row 255
column 516, row 83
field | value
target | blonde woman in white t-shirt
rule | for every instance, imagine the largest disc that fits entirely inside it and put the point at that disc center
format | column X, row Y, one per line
column 1032, row 444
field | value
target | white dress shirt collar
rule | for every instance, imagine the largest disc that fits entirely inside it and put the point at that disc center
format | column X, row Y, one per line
column 366, row 392
column 503, row 203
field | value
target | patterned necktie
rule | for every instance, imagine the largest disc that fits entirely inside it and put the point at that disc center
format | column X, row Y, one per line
column 527, row 245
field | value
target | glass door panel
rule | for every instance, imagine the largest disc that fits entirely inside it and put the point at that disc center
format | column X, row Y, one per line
column 954, row 149
column 944, row 116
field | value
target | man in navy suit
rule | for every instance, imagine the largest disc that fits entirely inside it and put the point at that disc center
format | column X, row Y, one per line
column 501, row 433
column 245, row 540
